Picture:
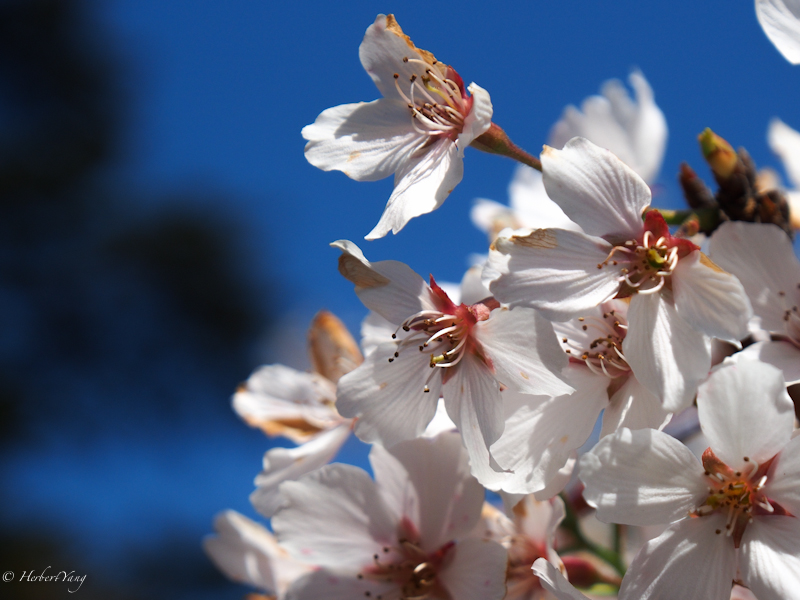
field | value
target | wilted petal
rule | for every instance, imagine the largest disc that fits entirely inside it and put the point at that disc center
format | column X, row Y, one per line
column 332, row 348
column 382, row 52
column 642, row 477
column 745, row 411
column 689, row 561
column 390, row 288
column 770, row 557
column 282, row 401
column 595, row 189
column 780, row 20
column 709, row 299
column 668, row 356
column 554, row 271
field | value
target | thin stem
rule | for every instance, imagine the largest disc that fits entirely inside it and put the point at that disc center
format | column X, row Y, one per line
column 496, row 141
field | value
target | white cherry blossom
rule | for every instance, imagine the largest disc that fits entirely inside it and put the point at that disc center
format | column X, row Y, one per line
column 300, row 406
column 762, row 257
column 403, row 535
column 780, row 20
column 462, row 353
column 418, row 130
column 528, row 535
column 635, row 131
column 542, row 433
column 734, row 517
column 677, row 296
column 248, row 553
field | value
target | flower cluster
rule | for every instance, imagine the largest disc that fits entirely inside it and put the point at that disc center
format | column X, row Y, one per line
column 680, row 328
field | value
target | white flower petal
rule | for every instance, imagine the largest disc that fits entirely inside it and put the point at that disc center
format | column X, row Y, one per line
column 554, row 271
column 770, row 557
column 428, row 481
column 648, row 130
column 636, row 132
column 421, row 185
column 366, row 141
column 553, row 581
column 477, row 571
column 689, row 561
column 642, row 477
column 284, row 464
column 473, row 401
column 560, row 481
column 542, row 432
column 479, row 119
column 334, row 517
column 389, row 398
column 709, row 299
column 762, row 257
column 783, row 478
column 785, row 142
column 375, row 330
column 522, row 347
column 390, row 288
column 780, row 20
column 531, row 204
column 338, row 585
column 382, row 52
column 595, row 189
column 668, row 356
column 488, row 216
column 248, row 553
column 472, row 289
column 441, row 422
column 745, row 411
column 634, row 407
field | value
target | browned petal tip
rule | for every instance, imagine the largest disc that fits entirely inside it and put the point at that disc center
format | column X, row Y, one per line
column 333, row 350
column 393, row 26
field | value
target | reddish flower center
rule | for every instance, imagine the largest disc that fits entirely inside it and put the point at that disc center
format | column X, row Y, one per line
column 649, row 261
column 405, row 564
column 601, row 348
column 445, row 333
column 736, row 494
column 438, row 102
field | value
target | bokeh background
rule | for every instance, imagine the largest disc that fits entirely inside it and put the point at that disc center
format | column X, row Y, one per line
column 161, row 234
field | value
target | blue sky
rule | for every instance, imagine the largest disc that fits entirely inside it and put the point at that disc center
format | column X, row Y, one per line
column 218, row 93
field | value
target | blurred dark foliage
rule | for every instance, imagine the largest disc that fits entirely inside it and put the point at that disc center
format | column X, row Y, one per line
column 109, row 316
